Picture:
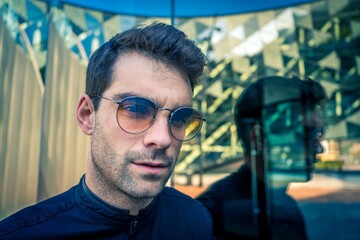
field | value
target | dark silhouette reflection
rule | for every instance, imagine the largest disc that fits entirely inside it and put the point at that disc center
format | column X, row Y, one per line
column 279, row 124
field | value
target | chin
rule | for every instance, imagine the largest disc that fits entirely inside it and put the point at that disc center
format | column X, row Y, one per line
column 148, row 190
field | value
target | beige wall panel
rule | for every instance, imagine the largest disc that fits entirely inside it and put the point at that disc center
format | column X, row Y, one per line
column 20, row 125
column 64, row 146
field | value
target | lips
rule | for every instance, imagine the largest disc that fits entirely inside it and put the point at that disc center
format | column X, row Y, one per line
column 151, row 164
column 151, row 167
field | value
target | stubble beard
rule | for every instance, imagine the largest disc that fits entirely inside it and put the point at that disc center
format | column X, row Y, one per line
column 114, row 172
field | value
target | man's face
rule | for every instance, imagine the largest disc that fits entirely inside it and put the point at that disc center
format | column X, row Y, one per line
column 138, row 165
column 293, row 136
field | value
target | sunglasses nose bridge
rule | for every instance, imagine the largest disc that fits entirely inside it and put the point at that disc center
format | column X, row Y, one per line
column 156, row 116
column 165, row 109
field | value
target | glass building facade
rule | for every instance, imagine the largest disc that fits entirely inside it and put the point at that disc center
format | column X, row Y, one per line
column 319, row 40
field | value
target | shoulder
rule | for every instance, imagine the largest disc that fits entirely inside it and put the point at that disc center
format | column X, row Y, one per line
column 179, row 199
column 183, row 205
column 30, row 218
column 184, row 212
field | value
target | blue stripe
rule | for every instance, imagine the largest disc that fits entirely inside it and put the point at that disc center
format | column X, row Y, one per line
column 182, row 8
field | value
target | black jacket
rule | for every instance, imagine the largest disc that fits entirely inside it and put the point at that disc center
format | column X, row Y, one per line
column 79, row 214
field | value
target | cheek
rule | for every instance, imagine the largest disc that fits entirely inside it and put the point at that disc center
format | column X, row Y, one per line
column 175, row 149
column 111, row 134
column 110, row 122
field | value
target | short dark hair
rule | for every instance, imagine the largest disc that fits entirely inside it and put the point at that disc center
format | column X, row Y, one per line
column 157, row 41
column 249, row 106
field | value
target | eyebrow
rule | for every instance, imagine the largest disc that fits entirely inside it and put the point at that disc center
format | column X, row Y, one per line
column 120, row 96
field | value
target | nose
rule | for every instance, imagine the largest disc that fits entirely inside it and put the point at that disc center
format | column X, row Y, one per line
column 158, row 135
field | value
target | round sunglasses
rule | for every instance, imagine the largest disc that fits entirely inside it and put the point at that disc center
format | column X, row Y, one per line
column 137, row 114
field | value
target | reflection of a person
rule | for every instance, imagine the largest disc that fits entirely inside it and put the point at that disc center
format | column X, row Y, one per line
column 279, row 118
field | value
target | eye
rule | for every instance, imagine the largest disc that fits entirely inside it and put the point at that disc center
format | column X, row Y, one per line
column 137, row 108
column 179, row 122
column 181, row 117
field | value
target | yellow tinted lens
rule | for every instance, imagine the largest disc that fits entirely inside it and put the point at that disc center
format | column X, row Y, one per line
column 185, row 123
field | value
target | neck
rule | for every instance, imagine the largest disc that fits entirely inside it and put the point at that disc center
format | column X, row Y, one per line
column 114, row 196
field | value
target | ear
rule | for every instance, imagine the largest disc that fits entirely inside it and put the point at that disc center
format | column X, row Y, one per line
column 86, row 114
